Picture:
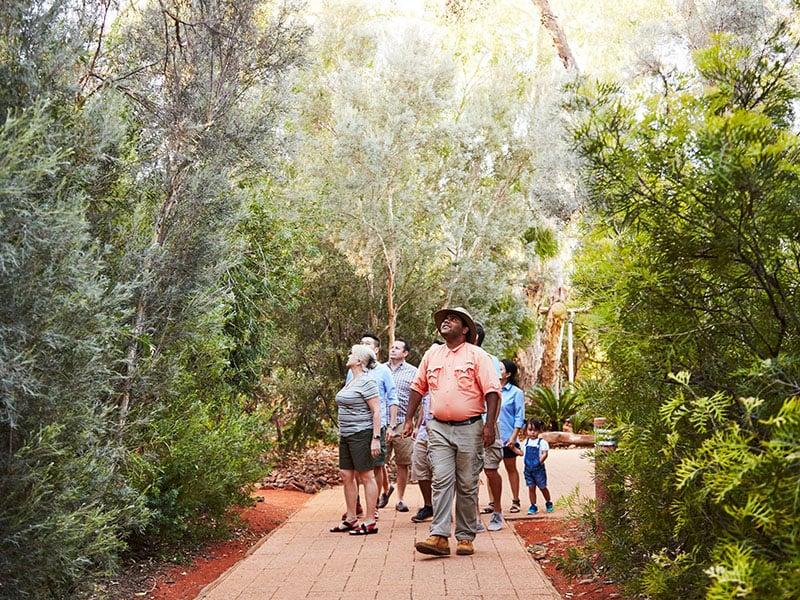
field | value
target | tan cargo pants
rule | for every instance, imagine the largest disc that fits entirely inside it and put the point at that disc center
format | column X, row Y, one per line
column 456, row 455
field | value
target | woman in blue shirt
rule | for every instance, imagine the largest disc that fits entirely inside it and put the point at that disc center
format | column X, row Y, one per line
column 511, row 420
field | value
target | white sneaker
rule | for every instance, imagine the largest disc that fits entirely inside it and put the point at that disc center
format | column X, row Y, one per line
column 480, row 528
column 496, row 522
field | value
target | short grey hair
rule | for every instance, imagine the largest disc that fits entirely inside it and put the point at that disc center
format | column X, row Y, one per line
column 365, row 355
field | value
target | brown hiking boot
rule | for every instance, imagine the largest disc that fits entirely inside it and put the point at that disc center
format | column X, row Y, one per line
column 465, row 548
column 436, row 545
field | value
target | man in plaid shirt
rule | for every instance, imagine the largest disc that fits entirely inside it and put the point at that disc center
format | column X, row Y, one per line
column 403, row 374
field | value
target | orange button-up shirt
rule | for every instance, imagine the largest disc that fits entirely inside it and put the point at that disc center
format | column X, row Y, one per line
column 458, row 381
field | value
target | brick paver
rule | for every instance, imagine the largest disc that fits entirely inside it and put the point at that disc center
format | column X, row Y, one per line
column 302, row 559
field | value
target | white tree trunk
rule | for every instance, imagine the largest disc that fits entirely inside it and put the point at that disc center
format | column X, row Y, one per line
column 556, row 314
column 550, row 22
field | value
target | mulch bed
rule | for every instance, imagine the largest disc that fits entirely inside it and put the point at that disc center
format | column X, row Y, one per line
column 310, row 471
column 549, row 539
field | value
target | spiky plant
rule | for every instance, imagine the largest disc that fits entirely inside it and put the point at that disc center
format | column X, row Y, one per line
column 551, row 407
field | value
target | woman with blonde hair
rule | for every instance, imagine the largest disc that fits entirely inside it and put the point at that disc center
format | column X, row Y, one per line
column 359, row 440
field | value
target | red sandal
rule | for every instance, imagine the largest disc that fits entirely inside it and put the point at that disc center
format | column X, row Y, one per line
column 344, row 526
column 364, row 529
column 359, row 510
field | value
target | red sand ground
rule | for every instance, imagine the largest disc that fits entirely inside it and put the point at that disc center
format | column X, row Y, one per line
column 184, row 582
column 557, row 535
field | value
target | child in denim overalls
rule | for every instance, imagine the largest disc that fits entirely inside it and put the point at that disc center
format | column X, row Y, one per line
column 535, row 450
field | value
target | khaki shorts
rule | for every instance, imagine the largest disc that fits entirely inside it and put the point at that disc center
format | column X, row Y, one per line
column 380, row 460
column 420, row 463
column 493, row 455
column 400, row 446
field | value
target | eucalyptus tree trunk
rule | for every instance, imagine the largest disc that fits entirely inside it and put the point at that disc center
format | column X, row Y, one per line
column 372, row 317
column 131, row 360
column 529, row 359
column 550, row 22
column 391, row 306
column 390, row 255
column 160, row 228
column 539, row 363
column 552, row 337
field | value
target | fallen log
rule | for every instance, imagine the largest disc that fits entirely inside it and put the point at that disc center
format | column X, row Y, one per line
column 565, row 438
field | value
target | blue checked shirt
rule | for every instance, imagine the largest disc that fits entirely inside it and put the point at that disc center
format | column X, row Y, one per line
column 403, row 377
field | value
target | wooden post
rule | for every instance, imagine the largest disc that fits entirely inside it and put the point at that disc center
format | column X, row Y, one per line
column 604, row 443
column 570, row 350
column 557, row 386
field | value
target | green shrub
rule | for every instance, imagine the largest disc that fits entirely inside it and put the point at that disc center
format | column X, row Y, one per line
column 65, row 506
column 739, row 473
column 692, row 267
column 199, row 461
column 577, row 562
column 730, row 488
column 66, row 511
column 95, row 308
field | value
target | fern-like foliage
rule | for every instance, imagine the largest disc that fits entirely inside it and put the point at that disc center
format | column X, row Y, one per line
column 737, row 493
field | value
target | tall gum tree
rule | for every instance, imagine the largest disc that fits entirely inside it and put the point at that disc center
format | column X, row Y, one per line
column 199, row 76
column 416, row 158
column 368, row 141
column 601, row 38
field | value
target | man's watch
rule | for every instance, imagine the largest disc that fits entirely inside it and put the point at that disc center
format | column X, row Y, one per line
column 376, row 437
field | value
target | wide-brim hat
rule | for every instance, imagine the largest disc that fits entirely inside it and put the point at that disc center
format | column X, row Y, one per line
column 439, row 316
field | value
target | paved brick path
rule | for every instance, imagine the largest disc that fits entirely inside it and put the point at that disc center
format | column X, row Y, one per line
column 302, row 559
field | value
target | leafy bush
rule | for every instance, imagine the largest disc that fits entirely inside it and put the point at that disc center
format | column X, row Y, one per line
column 692, row 267
column 731, row 493
column 65, row 509
column 64, row 505
column 198, row 462
column 736, row 482
column 201, row 447
column 95, row 308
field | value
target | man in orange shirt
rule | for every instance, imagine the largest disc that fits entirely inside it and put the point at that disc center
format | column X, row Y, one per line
column 463, row 384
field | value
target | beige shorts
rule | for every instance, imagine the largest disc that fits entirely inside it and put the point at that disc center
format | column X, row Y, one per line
column 420, row 463
column 399, row 446
column 493, row 455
